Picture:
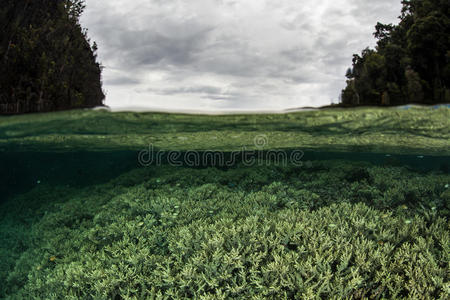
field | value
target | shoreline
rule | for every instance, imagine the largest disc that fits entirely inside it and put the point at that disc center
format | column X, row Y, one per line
column 140, row 109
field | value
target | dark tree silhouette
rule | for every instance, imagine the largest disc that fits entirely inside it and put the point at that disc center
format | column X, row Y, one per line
column 46, row 60
column 411, row 62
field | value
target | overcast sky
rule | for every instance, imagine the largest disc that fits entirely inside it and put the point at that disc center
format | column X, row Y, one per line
column 230, row 54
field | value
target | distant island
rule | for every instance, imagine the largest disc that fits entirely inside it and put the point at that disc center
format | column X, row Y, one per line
column 47, row 62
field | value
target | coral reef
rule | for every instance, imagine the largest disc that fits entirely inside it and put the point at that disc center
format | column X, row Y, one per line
column 333, row 229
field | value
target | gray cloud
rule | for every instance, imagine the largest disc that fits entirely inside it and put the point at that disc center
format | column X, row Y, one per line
column 197, row 90
column 230, row 54
column 121, row 80
column 152, row 48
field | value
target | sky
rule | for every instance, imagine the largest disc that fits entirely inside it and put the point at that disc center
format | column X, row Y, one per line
column 219, row 55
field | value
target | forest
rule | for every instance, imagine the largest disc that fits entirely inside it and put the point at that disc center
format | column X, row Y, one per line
column 47, row 62
column 411, row 62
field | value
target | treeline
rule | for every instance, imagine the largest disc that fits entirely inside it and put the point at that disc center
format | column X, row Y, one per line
column 411, row 62
column 46, row 60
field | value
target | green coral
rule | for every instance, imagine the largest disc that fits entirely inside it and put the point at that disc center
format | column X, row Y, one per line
column 335, row 229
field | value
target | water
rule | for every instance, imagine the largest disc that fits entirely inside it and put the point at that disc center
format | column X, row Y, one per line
column 329, row 204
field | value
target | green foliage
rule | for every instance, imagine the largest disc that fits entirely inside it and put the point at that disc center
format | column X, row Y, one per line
column 410, row 62
column 46, row 60
column 334, row 229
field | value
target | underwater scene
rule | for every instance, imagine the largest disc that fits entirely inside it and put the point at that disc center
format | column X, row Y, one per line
column 320, row 204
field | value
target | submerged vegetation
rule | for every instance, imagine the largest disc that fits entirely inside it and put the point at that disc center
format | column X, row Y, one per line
column 329, row 229
column 411, row 62
column 325, row 228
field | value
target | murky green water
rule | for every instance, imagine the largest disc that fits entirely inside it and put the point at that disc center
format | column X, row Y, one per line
column 330, row 204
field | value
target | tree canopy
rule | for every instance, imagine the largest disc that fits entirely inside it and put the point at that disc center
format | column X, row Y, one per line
column 411, row 62
column 47, row 63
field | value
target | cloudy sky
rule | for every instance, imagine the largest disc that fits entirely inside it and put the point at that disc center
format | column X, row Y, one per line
column 230, row 54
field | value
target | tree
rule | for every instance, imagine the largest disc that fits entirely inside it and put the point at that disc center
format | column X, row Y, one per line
column 47, row 62
column 411, row 62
